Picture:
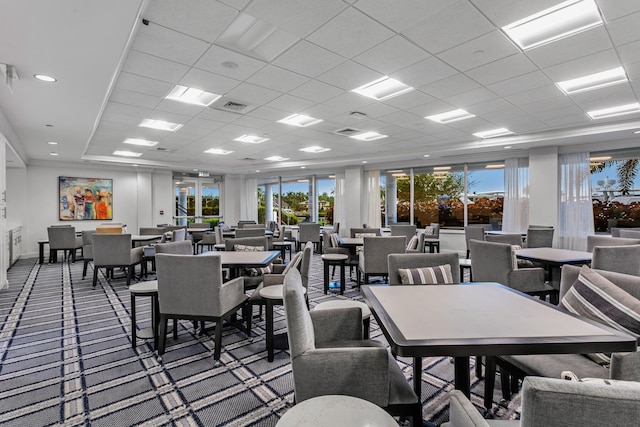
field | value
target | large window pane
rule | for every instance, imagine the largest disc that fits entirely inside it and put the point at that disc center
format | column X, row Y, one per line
column 486, row 194
column 615, row 190
column 325, row 189
column 438, row 196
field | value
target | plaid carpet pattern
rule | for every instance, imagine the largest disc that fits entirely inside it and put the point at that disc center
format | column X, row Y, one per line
column 66, row 360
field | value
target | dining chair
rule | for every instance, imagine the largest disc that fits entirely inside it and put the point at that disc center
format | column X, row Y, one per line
column 87, row 250
column 251, row 281
column 373, row 258
column 539, row 237
column 353, row 232
column 512, row 239
column 432, row 237
column 620, row 259
column 114, row 251
column 250, row 232
column 309, row 232
column 330, row 243
column 597, row 240
column 473, row 232
column 64, row 239
column 406, row 230
column 396, row 262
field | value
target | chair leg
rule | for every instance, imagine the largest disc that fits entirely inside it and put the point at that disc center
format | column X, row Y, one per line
column 489, row 381
column 218, row 340
column 95, row 275
column 84, row 268
column 479, row 366
column 162, row 339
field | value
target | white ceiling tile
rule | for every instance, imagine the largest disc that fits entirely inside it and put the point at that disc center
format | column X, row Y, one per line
column 538, row 94
column 349, row 75
column 521, row 83
column 182, row 108
column 141, row 64
column 399, row 117
column 144, row 85
column 503, row 12
column 350, row 33
column 377, row 109
column 315, row 90
column 207, row 124
column 605, row 97
column 584, row 66
column 252, row 122
column 630, row 53
column 464, row 23
column 467, row 99
column 625, row 30
column 431, row 108
column 218, row 115
column 485, row 107
column 479, row 51
column 209, row 82
column 236, row 4
column 614, row 9
column 347, row 102
column 424, row 72
column 535, row 106
column 253, row 94
column 290, row 103
column 633, row 70
column 308, row 59
column 277, row 78
column 391, row 55
column 502, row 69
column 268, row 113
column 450, row 86
column 401, row 15
column 213, row 59
column 168, row 44
column 409, row 99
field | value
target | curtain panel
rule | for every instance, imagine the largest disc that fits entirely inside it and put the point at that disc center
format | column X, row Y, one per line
column 575, row 221
column 372, row 199
column 515, row 215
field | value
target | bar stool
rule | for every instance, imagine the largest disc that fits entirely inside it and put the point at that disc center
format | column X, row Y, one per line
column 282, row 247
column 465, row 263
column 144, row 289
column 273, row 296
column 334, row 259
column 341, row 303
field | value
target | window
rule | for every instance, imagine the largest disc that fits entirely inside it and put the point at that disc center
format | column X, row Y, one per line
column 197, row 200
column 325, row 189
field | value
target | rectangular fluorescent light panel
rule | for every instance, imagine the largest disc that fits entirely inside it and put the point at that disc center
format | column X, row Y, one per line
column 251, row 139
column 493, row 133
column 218, row 151
column 142, row 142
column 560, row 21
column 383, row 88
column 593, row 81
column 190, row 95
column 368, row 136
column 442, row 168
column 600, row 159
column 494, row 166
column 277, row 158
column 315, row 149
column 160, row 125
column 126, row 153
column 299, row 120
column 620, row 110
column 450, row 116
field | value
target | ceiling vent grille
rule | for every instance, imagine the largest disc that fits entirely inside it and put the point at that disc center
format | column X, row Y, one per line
column 231, row 105
column 163, row 150
column 249, row 159
column 236, row 106
column 347, row 131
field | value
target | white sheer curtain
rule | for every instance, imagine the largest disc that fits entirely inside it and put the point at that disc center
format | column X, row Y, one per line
column 339, row 214
column 575, row 221
column 515, row 216
column 372, row 199
column 249, row 203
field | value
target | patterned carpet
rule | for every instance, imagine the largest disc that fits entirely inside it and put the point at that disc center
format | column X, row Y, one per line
column 66, row 359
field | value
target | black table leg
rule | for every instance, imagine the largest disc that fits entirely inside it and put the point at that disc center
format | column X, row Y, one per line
column 269, row 320
column 462, row 375
column 417, row 376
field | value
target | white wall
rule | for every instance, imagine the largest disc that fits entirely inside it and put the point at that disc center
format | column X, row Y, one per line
column 543, row 186
column 231, row 199
column 353, row 198
column 16, row 197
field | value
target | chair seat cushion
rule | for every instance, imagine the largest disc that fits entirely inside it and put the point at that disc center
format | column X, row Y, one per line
column 247, row 248
column 552, row 365
column 440, row 274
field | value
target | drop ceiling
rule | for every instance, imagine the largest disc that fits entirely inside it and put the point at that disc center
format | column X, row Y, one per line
column 116, row 61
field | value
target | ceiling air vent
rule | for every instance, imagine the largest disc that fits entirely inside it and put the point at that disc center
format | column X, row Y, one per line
column 232, row 105
column 248, row 159
column 347, row 131
column 163, row 150
column 236, row 106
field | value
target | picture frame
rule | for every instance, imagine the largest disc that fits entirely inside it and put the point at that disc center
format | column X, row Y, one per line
column 85, row 199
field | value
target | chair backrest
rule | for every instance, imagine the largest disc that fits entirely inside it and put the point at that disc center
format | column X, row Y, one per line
column 249, row 232
column 300, row 331
column 260, row 226
column 179, row 235
column 435, row 234
column 247, row 241
column 62, row 237
column 473, row 232
column 512, row 239
column 621, row 259
column 110, row 229
column 309, row 232
column 606, row 240
column 398, row 261
column 189, row 284
column 404, row 230
column 182, row 247
column 491, row 262
column 539, row 237
column 354, row 231
column 375, row 251
column 87, row 243
column 630, row 233
column 627, row 282
column 209, row 239
column 305, row 265
column 111, row 249
column 218, row 232
column 242, row 222
column 336, row 227
column 326, row 240
column 152, row 231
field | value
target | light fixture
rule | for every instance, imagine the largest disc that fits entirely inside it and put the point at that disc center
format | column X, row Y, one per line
column 399, row 174
column 382, row 88
column 496, row 166
column 442, row 168
column 507, row 147
column 427, row 155
column 53, row 153
column 593, row 81
column 600, row 159
column 637, row 132
column 299, row 120
column 251, row 139
column 368, row 136
column 364, row 161
column 557, row 22
column 45, row 78
column 395, row 171
column 450, row 116
column 160, row 125
column 126, row 153
column 142, row 142
column 303, row 180
column 620, row 110
column 277, row 158
column 191, row 95
column 315, row 149
column 332, row 177
column 52, row 143
column 493, row 133
column 218, row 151
column 135, row 164
column 303, row 167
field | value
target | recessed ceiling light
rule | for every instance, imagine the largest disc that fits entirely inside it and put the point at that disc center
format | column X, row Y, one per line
column 506, row 147
column 493, row 133
column 160, row 125
column 257, row 170
column 593, row 81
column 303, row 180
column 53, row 153
column 600, row 159
column 496, row 166
column 218, row 151
column 277, row 158
column 299, row 120
column 637, row 132
column 315, row 149
column 427, row 155
column 560, row 21
column 332, row 177
column 142, row 142
column 383, row 88
column 303, row 167
column 368, row 136
column 364, row 161
column 45, row 78
column 251, row 139
column 135, row 164
column 442, row 168
column 450, row 116
column 229, row 65
column 620, row 110
column 126, row 153
column 52, row 143
column 192, row 96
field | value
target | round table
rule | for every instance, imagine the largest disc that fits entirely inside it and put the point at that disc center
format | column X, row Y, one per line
column 336, row 410
column 273, row 295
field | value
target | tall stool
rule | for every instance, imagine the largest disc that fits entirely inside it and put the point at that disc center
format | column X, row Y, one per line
column 336, row 260
column 144, row 289
column 343, row 303
column 273, row 296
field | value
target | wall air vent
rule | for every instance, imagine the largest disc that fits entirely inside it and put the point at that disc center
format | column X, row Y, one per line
column 347, row 131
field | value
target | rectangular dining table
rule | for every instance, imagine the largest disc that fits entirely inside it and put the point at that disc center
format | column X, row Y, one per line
column 480, row 319
column 554, row 257
column 234, row 260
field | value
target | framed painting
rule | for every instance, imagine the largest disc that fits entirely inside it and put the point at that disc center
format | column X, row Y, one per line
column 85, row 198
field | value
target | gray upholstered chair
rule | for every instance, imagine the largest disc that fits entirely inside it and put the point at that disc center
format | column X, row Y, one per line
column 87, row 250
column 593, row 241
column 329, row 246
column 621, row 259
column 250, row 282
column 243, row 222
column 398, row 261
column 329, row 356
column 473, row 232
column 420, row 246
column 249, row 232
column 406, row 230
column 152, row 231
column 309, row 232
column 373, row 258
column 208, row 241
column 196, row 236
column 494, row 262
column 540, row 237
column 178, row 235
column 112, row 251
column 432, row 237
column 512, row 239
column 554, row 402
column 182, row 247
column 355, row 231
column 191, row 287
column 64, row 239
column 630, row 233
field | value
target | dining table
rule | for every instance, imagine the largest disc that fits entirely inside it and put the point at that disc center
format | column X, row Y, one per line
column 480, row 319
column 235, row 260
column 554, row 257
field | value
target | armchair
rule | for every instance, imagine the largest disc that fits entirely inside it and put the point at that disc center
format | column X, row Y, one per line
column 540, row 237
column 398, row 261
column 473, row 232
column 309, row 232
column 621, row 259
column 403, row 230
column 432, row 237
column 369, row 231
column 593, row 241
column 373, row 258
column 249, row 232
column 191, row 287
column 114, row 250
column 328, row 355
column 64, row 238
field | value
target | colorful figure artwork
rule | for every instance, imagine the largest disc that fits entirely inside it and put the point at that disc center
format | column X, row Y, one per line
column 85, row 198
